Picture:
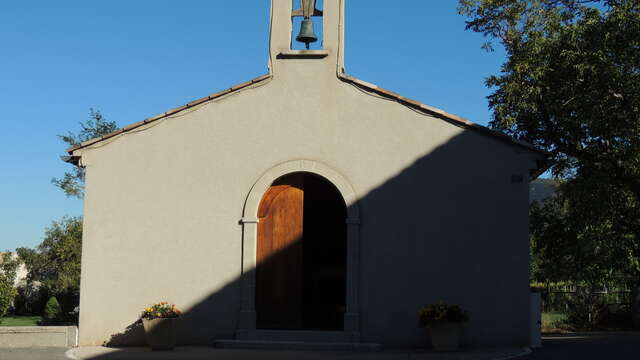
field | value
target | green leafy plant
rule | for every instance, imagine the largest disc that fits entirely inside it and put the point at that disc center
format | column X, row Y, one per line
column 54, row 269
column 570, row 85
column 72, row 183
column 30, row 299
column 52, row 312
column 161, row 310
column 7, row 294
column 441, row 313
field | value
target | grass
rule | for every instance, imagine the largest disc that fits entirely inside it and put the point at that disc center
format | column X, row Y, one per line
column 551, row 321
column 16, row 320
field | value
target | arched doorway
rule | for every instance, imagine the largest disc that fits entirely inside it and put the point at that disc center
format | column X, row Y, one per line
column 301, row 272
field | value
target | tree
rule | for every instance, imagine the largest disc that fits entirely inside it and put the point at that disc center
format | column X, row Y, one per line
column 55, row 263
column 9, row 265
column 72, row 183
column 7, row 294
column 571, row 85
column 52, row 312
column 8, row 269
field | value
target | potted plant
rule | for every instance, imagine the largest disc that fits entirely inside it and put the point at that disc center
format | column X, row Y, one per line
column 159, row 325
column 444, row 322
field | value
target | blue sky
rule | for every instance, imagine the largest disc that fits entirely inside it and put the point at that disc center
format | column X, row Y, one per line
column 135, row 59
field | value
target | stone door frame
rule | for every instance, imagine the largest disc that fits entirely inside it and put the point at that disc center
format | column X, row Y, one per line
column 247, row 320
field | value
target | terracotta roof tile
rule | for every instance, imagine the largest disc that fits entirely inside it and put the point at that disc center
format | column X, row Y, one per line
column 220, row 93
column 112, row 134
column 364, row 83
column 260, row 78
column 133, row 126
column 410, row 101
column 199, row 101
column 154, row 118
column 387, row 92
column 240, row 86
column 176, row 110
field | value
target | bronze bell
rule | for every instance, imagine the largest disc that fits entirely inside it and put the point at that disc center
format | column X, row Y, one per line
column 307, row 35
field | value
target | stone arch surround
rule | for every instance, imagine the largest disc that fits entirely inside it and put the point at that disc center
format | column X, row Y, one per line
column 247, row 322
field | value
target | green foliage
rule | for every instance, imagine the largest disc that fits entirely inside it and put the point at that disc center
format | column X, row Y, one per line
column 7, row 275
column 571, row 246
column 571, row 86
column 553, row 321
column 55, row 263
column 585, row 309
column 7, row 294
column 15, row 320
column 52, row 312
column 441, row 313
column 72, row 183
column 30, row 299
column 9, row 265
column 31, row 296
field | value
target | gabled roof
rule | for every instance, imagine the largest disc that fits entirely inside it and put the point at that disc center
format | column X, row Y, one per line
column 454, row 119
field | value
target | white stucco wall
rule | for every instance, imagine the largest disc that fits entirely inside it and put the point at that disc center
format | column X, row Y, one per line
column 441, row 218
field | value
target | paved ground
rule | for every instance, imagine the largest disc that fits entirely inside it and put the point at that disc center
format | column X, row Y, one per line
column 607, row 346
column 194, row 353
column 33, row 354
column 592, row 346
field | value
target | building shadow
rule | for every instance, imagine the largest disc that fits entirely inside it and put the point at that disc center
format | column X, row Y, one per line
column 452, row 226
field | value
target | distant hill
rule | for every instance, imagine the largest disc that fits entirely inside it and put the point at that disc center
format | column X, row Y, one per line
column 541, row 189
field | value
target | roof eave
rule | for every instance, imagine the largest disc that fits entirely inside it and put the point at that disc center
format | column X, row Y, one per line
column 542, row 166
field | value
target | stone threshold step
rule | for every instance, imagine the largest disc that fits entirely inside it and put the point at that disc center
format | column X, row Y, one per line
column 297, row 345
column 299, row 336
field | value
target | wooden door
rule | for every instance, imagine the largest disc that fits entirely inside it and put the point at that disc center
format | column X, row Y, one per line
column 279, row 256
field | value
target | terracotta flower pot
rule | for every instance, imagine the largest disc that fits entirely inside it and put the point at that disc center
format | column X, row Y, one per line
column 446, row 336
column 160, row 333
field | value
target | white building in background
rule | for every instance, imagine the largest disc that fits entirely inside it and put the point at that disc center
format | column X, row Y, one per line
column 21, row 273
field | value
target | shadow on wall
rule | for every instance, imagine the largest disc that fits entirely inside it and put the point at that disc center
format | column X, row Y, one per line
column 132, row 335
column 452, row 226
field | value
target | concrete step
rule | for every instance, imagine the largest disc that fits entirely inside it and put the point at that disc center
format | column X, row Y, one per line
column 297, row 345
column 300, row 335
column 38, row 336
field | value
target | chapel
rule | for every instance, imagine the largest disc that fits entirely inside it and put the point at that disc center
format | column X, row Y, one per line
column 306, row 205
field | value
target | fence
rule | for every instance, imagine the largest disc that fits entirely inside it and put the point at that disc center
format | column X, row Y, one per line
column 556, row 300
